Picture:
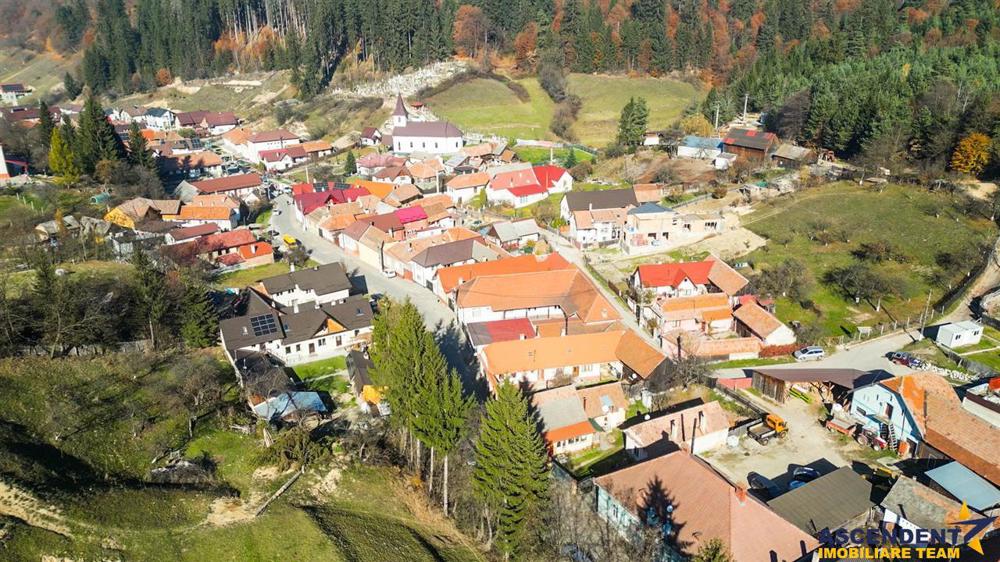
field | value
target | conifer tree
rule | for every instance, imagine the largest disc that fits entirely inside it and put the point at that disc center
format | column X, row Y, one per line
column 396, row 351
column 199, row 324
column 138, row 152
column 62, row 162
column 45, row 124
column 510, row 476
column 453, row 423
column 72, row 86
column 350, row 164
column 570, row 159
column 151, row 288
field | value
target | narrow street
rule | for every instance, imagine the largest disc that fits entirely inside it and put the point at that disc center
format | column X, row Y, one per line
column 437, row 316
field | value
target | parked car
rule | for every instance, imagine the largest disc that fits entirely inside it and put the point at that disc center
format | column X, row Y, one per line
column 907, row 359
column 810, row 353
column 805, row 474
column 763, row 485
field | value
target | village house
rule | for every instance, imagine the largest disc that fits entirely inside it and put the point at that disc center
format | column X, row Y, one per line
column 754, row 320
column 464, row 188
column 461, row 252
column 366, row 241
column 394, row 174
column 651, row 227
column 605, row 404
column 792, row 156
column 523, row 187
column 11, row 93
column 323, row 284
column 597, row 217
column 233, row 250
column 244, row 187
column 280, row 159
column 224, row 218
column 432, row 137
column 912, row 506
column 920, row 415
column 192, row 164
column 189, row 233
column 399, row 257
column 370, row 136
column 687, row 279
column 648, row 192
column 838, row 499
column 565, row 426
column 158, row 119
column 699, row 429
column 316, row 149
column 514, row 235
column 709, row 314
column 218, row 200
column 426, row 174
column 448, row 279
column 300, row 333
column 373, row 162
column 750, row 144
column 208, row 122
column 578, row 359
column 679, row 344
column 133, row 211
column 693, row 504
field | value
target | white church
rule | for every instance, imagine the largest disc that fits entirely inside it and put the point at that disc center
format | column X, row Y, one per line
column 433, row 137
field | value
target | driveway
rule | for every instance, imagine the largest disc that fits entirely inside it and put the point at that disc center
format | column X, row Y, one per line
column 437, row 316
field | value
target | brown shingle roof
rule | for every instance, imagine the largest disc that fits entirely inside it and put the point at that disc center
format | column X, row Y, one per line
column 228, row 183
column 707, row 506
column 760, row 321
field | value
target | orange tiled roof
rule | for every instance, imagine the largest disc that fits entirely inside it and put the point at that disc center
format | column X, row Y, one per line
column 377, row 188
column 465, row 181
column 214, row 200
column 727, row 279
column 591, row 397
column 638, row 355
column 316, row 146
column 570, row 350
column 452, row 277
column 197, row 212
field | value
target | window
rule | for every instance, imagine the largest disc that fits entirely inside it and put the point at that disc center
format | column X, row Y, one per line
column 339, row 341
column 288, row 350
column 298, row 347
column 321, row 342
column 435, row 145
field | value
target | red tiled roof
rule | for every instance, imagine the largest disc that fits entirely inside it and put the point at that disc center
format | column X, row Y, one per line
column 224, row 240
column 452, row 277
column 548, row 175
column 411, row 214
column 516, row 178
column 511, row 329
column 228, row 183
column 271, row 136
column 673, row 274
column 526, row 190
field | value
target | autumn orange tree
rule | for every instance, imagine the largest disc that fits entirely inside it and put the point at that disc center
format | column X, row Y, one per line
column 524, row 46
column 469, row 29
column 971, row 154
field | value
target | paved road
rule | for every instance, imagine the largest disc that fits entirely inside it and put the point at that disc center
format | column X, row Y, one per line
column 867, row 356
column 438, row 317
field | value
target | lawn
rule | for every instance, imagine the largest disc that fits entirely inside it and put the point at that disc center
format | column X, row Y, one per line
column 264, row 217
column 596, row 462
column 40, row 71
column 604, row 97
column 920, row 224
column 246, row 277
column 759, row 362
column 320, row 368
column 487, row 106
column 232, row 453
column 540, row 155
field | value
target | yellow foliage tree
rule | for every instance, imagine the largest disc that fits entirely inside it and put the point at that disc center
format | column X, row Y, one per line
column 696, row 124
column 972, row 154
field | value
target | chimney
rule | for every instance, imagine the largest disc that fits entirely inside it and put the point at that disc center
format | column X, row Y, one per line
column 521, row 336
column 590, row 206
column 673, row 429
column 295, row 308
column 741, row 494
column 245, row 331
column 316, row 305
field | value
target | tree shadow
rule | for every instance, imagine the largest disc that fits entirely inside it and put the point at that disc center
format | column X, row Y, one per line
column 657, row 510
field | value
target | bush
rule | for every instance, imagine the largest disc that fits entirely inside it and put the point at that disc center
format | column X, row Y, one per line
column 614, row 150
column 719, row 192
column 779, row 350
column 581, row 171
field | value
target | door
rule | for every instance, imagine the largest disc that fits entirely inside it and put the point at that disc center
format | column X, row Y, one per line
column 312, row 349
column 888, row 412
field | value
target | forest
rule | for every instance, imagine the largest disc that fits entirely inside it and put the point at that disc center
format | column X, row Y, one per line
column 867, row 79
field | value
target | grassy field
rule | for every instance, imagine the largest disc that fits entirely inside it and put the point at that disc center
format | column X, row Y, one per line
column 487, row 106
column 38, row 71
column 922, row 225
column 604, row 97
column 247, row 277
column 539, row 155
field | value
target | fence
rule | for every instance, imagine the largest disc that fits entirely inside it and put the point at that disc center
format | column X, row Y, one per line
column 978, row 370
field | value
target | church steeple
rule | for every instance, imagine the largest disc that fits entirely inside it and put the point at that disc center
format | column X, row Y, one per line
column 399, row 114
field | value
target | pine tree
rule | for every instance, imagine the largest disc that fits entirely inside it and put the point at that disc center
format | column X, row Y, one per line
column 510, row 475
column 199, row 324
column 72, row 86
column 623, row 122
column 138, row 153
column 45, row 124
column 570, row 159
column 151, row 287
column 453, row 423
column 397, row 339
column 89, row 135
column 350, row 165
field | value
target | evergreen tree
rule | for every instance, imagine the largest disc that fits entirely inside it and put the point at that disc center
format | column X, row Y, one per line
column 570, row 159
column 199, row 324
column 397, row 339
column 632, row 123
column 510, row 476
column 453, row 423
column 61, row 159
column 72, row 86
column 138, row 153
column 45, row 124
column 151, row 290
column 350, row 164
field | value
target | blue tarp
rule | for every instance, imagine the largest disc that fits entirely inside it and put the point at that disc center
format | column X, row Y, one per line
column 704, row 143
column 966, row 485
column 288, row 403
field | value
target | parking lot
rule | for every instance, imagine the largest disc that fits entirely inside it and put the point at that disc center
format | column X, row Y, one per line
column 808, row 443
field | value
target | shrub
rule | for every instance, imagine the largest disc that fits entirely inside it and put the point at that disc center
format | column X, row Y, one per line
column 581, row 171
column 719, row 192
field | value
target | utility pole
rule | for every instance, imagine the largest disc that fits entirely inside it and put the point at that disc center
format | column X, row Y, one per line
column 923, row 318
column 746, row 98
column 716, row 117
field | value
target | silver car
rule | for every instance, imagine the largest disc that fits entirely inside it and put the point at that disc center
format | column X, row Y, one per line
column 811, row 353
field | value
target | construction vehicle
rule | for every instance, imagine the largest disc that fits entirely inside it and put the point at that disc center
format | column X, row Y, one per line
column 770, row 426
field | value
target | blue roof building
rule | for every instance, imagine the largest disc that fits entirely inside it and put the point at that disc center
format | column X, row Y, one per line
column 966, row 485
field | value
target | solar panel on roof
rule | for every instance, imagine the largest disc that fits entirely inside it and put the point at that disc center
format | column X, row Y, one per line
column 263, row 325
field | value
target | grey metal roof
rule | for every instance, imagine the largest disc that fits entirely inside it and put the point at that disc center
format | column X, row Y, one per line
column 453, row 252
column 431, row 129
column 323, row 279
column 966, row 485
column 847, row 378
column 919, row 504
column 507, row 231
column 562, row 412
column 649, row 208
column 608, row 199
column 827, row 502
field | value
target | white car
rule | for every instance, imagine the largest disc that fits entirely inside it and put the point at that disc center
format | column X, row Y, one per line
column 811, row 353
